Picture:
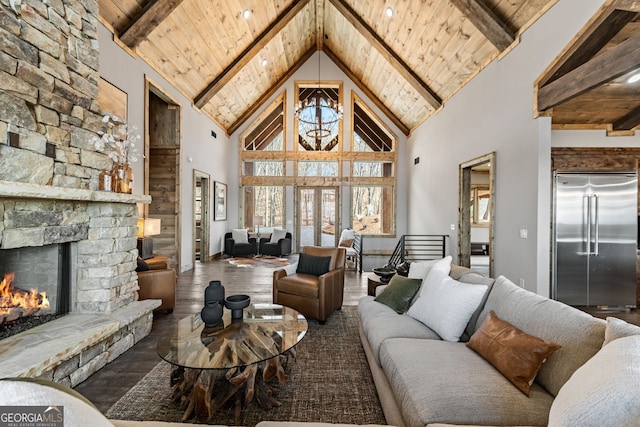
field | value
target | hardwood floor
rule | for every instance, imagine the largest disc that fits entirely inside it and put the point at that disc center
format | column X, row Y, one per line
column 106, row 386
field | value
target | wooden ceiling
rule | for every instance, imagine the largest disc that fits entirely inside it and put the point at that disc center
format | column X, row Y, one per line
column 587, row 86
column 408, row 64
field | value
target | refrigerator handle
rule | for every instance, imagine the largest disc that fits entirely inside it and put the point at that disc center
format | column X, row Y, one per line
column 597, row 225
column 587, row 241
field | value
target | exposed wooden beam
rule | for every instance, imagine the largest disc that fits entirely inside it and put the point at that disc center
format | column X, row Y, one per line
column 629, row 121
column 605, row 67
column 394, row 59
column 259, row 103
column 153, row 13
column 487, row 22
column 403, row 128
column 250, row 52
column 593, row 41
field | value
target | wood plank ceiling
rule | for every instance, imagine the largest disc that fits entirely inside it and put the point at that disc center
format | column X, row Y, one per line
column 409, row 64
column 587, row 86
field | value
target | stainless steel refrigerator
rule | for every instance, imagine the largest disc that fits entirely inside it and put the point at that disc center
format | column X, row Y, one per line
column 595, row 223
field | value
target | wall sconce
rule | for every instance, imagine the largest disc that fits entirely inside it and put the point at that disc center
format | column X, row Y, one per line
column 147, row 227
column 258, row 220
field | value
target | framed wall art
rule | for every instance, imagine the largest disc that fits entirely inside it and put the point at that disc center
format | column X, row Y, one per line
column 220, row 201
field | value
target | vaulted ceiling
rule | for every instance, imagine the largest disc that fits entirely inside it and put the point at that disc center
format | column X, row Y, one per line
column 408, row 64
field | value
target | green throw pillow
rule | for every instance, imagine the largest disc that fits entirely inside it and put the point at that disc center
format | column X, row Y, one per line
column 399, row 293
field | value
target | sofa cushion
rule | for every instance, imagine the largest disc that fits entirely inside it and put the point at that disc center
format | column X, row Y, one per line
column 517, row 355
column 440, row 381
column 617, row 328
column 399, row 293
column 466, row 275
column 604, row 391
column 446, row 305
column 579, row 334
column 380, row 322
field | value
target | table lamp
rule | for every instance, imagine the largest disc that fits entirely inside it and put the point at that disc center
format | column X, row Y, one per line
column 258, row 220
column 147, row 227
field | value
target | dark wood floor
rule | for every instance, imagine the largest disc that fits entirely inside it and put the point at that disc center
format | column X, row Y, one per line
column 106, row 386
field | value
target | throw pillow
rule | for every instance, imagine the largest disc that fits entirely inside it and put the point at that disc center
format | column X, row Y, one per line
column 420, row 269
column 240, row 235
column 399, row 293
column 446, row 305
column 313, row 265
column 345, row 243
column 347, row 234
column 617, row 328
column 277, row 234
column 604, row 391
column 142, row 265
column 515, row 354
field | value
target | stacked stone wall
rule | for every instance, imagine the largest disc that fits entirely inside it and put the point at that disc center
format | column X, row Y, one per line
column 49, row 73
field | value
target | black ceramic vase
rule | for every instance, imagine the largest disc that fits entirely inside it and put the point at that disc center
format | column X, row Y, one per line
column 214, row 292
column 237, row 304
column 211, row 314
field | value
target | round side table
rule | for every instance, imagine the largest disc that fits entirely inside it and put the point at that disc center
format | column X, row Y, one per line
column 373, row 281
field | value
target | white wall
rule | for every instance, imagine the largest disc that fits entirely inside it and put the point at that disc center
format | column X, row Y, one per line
column 494, row 112
column 592, row 138
column 207, row 154
column 329, row 72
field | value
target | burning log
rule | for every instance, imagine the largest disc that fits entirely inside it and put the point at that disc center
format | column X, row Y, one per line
column 16, row 303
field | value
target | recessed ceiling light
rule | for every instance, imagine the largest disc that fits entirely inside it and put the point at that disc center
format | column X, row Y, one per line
column 389, row 12
column 634, row 78
column 264, row 62
column 246, row 14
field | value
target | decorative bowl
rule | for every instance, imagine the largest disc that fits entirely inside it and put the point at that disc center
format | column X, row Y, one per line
column 385, row 273
column 237, row 303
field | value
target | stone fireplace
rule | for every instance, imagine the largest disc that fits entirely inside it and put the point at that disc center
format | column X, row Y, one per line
column 105, row 318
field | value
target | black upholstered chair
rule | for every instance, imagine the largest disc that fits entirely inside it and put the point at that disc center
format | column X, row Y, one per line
column 235, row 248
column 279, row 248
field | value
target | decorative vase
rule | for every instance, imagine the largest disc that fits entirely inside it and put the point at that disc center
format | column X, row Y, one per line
column 214, row 292
column 105, row 180
column 211, row 314
column 119, row 174
column 128, row 178
column 237, row 304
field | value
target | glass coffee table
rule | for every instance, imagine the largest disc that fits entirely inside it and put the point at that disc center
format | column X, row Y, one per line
column 240, row 358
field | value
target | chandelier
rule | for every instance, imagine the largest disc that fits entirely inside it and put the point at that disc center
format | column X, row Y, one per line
column 318, row 119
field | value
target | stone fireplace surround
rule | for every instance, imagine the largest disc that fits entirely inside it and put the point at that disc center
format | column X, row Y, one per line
column 105, row 316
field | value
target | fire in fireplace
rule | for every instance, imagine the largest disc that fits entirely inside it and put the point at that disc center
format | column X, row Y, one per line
column 36, row 286
column 16, row 303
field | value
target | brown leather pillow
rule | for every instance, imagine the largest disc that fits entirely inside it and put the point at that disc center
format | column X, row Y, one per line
column 517, row 355
column 346, row 243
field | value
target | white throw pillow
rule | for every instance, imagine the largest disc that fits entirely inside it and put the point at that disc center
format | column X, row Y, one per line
column 240, row 235
column 420, row 269
column 446, row 305
column 603, row 392
column 277, row 234
column 346, row 235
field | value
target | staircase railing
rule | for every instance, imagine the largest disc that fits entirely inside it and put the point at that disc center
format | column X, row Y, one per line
column 419, row 247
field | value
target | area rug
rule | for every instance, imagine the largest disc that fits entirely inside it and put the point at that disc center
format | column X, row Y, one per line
column 329, row 382
column 259, row 261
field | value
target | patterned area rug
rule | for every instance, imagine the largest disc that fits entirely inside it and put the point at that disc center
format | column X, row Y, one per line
column 329, row 382
column 259, row 261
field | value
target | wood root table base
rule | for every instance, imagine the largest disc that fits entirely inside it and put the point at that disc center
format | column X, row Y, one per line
column 203, row 392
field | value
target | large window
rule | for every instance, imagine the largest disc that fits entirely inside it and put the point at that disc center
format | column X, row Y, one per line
column 372, row 173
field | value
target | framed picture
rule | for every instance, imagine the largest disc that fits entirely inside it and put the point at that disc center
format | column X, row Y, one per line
column 220, row 201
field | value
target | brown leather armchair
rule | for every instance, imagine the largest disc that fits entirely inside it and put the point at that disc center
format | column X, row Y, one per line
column 314, row 296
column 158, row 283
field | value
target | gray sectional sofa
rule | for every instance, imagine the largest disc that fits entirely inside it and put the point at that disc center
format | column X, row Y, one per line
column 424, row 381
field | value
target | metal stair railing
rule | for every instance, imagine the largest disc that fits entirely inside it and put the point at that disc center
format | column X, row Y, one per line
column 419, row 247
